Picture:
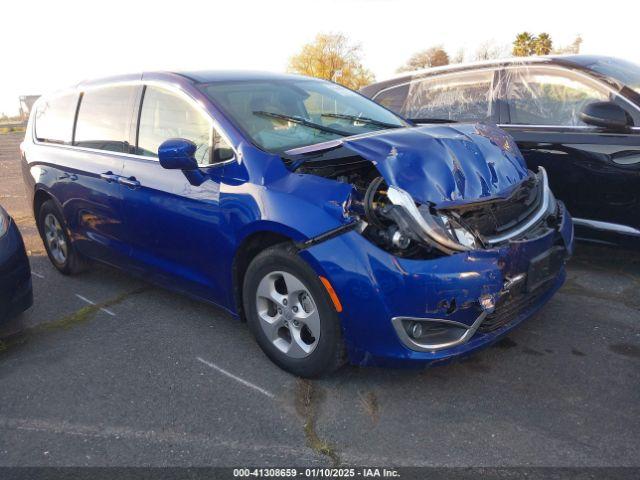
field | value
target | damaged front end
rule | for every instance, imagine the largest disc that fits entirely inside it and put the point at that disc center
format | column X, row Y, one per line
column 474, row 242
column 429, row 191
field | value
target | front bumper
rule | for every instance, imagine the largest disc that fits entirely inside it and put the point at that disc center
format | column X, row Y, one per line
column 16, row 294
column 379, row 292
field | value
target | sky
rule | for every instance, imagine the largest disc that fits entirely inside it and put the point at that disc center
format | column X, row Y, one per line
column 48, row 45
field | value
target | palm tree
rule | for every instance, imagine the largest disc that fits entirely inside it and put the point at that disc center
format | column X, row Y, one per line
column 543, row 44
column 523, row 45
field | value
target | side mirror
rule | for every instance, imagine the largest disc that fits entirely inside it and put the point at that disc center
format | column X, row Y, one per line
column 178, row 154
column 607, row 115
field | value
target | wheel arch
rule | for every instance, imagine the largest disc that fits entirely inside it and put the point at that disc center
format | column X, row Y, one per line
column 249, row 248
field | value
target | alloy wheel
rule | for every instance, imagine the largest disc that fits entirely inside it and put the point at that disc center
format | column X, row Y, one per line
column 288, row 314
column 55, row 238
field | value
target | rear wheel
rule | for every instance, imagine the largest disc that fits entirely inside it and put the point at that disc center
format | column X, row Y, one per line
column 291, row 315
column 56, row 240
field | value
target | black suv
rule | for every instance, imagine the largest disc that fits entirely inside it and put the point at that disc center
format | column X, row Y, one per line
column 578, row 116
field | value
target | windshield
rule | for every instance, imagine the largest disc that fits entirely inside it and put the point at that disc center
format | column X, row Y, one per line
column 282, row 114
column 627, row 73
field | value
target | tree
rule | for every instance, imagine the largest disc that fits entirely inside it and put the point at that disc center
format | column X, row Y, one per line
column 543, row 44
column 490, row 51
column 332, row 57
column 458, row 57
column 573, row 47
column 431, row 57
column 526, row 44
column 523, row 45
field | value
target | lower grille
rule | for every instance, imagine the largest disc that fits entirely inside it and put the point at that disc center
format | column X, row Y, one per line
column 512, row 304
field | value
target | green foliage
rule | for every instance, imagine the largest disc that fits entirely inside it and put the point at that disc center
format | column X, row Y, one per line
column 527, row 44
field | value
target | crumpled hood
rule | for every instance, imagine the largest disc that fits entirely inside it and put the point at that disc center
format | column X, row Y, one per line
column 445, row 164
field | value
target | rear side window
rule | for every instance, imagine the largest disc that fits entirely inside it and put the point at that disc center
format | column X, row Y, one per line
column 104, row 118
column 466, row 96
column 164, row 115
column 54, row 119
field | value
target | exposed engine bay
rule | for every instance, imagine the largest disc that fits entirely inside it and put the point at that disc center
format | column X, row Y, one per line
column 393, row 220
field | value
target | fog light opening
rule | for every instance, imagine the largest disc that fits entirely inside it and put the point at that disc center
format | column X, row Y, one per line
column 415, row 330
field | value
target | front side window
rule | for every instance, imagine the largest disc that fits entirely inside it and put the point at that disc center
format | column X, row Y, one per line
column 281, row 114
column 54, row 118
column 545, row 96
column 460, row 97
column 104, row 118
column 627, row 73
column 164, row 115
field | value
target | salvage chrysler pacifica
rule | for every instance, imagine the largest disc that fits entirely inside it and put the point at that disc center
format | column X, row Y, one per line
column 334, row 227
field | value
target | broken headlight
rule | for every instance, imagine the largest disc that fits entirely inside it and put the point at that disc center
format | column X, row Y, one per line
column 403, row 228
column 427, row 227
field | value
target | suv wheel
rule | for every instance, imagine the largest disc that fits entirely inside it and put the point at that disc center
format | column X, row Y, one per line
column 56, row 240
column 291, row 315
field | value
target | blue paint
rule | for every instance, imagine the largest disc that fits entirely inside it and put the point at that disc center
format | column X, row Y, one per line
column 15, row 273
column 185, row 234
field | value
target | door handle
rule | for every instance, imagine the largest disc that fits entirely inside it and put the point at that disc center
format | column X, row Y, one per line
column 109, row 177
column 130, row 182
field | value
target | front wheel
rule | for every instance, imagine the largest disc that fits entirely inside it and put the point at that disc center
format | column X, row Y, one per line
column 291, row 315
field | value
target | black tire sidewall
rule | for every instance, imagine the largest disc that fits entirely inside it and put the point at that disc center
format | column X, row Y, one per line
column 327, row 356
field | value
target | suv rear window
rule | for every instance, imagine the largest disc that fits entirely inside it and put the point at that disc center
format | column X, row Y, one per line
column 104, row 118
column 54, row 118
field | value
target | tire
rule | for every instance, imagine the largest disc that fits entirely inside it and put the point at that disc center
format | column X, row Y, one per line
column 54, row 232
column 301, row 331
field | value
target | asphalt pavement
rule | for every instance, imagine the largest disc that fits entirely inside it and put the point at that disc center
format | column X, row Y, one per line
column 113, row 371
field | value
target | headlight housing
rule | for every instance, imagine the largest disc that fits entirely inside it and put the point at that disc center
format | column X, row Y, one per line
column 423, row 226
column 449, row 233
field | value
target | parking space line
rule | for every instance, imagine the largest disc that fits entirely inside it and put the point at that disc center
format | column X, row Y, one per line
column 36, row 274
column 84, row 299
column 236, row 378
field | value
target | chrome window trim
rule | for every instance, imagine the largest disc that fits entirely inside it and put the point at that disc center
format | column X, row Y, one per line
column 174, row 88
column 512, row 67
column 587, row 128
column 606, row 226
column 428, row 347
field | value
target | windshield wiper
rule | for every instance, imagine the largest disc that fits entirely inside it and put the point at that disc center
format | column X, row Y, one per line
column 302, row 121
column 432, row 120
column 355, row 118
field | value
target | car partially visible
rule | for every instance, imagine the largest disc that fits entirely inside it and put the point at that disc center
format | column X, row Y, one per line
column 578, row 116
column 16, row 293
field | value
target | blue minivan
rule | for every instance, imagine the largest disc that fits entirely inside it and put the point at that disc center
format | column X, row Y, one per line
column 334, row 227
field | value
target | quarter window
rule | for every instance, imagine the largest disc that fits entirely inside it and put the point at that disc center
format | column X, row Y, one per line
column 394, row 98
column 104, row 118
column 543, row 96
column 164, row 115
column 466, row 96
column 54, row 119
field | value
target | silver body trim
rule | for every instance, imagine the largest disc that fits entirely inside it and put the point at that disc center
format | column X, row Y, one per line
column 432, row 347
column 606, row 226
column 542, row 211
